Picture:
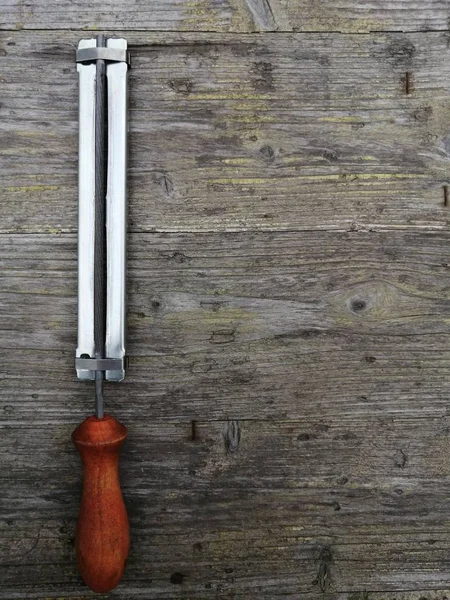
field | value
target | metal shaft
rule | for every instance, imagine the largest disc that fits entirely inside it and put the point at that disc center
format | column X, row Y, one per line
column 100, row 224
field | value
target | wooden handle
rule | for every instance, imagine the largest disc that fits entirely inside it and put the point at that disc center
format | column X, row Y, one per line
column 102, row 536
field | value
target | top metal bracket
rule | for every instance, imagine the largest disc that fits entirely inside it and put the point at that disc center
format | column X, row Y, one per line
column 98, row 53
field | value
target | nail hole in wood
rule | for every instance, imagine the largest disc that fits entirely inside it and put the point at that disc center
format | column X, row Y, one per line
column 408, row 82
column 176, row 578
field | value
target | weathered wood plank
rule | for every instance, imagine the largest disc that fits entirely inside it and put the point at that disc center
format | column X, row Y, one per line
column 340, row 505
column 344, row 457
column 229, row 15
column 241, row 132
column 173, row 592
column 286, row 325
column 251, row 572
column 336, row 340
column 144, row 592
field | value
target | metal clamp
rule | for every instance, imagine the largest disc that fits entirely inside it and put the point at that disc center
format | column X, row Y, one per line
column 101, row 364
column 98, row 53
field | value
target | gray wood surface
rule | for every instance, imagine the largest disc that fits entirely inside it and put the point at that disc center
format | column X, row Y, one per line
column 280, row 325
column 287, row 397
column 241, row 132
column 345, row 16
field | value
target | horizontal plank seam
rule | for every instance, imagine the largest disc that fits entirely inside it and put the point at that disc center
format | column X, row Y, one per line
column 304, row 421
column 225, row 33
column 218, row 561
column 364, row 228
column 143, row 587
column 421, row 532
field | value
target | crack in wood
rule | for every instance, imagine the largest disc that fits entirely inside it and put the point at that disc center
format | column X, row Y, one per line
column 262, row 14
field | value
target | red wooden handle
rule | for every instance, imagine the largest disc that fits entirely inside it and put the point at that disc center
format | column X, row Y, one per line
column 102, row 537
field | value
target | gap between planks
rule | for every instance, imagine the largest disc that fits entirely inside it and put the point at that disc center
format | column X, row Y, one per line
column 224, row 33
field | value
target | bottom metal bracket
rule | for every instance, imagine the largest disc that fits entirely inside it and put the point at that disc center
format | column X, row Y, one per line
column 101, row 364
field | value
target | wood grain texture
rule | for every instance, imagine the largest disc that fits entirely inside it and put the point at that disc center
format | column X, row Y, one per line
column 339, row 506
column 232, row 132
column 287, row 398
column 318, row 460
column 344, row 16
column 342, row 323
